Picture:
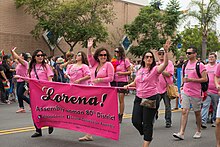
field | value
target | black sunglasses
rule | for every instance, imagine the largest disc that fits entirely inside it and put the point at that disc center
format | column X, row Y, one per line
column 148, row 57
column 189, row 53
column 40, row 55
column 116, row 51
column 102, row 55
column 160, row 53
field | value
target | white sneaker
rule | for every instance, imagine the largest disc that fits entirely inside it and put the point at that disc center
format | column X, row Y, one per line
column 197, row 135
column 178, row 135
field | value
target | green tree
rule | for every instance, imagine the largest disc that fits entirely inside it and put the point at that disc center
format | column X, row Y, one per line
column 74, row 20
column 193, row 37
column 206, row 15
column 152, row 26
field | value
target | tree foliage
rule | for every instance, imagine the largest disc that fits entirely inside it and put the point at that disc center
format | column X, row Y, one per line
column 74, row 20
column 193, row 37
column 152, row 26
column 206, row 14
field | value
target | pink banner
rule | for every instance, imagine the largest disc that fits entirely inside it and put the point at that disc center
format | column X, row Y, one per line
column 88, row 109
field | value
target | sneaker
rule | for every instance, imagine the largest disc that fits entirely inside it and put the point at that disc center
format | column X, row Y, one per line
column 20, row 111
column 203, row 126
column 213, row 125
column 178, row 135
column 36, row 134
column 197, row 135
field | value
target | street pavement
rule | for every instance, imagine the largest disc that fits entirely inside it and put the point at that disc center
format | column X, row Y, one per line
column 16, row 129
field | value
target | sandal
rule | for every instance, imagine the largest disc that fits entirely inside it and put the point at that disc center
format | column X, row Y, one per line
column 86, row 138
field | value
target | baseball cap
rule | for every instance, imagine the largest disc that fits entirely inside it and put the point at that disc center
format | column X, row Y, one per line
column 161, row 50
column 60, row 60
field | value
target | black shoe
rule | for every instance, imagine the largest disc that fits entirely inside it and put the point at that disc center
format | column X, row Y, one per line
column 36, row 134
column 168, row 125
column 50, row 130
column 203, row 126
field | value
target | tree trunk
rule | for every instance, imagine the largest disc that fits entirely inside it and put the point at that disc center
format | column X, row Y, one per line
column 204, row 47
column 60, row 49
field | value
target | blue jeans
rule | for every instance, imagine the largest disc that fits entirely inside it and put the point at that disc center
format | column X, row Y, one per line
column 20, row 94
column 167, row 104
column 206, row 104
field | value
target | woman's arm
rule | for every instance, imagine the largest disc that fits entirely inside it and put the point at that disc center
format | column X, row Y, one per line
column 91, row 60
column 16, row 56
column 166, row 47
column 132, row 84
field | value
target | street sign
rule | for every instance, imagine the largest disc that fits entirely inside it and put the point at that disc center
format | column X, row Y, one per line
column 126, row 43
column 47, row 35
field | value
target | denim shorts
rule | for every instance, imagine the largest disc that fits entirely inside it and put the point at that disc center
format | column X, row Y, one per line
column 187, row 100
column 120, row 84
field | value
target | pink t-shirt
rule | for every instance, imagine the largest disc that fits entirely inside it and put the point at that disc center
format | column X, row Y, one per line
column 193, row 89
column 22, row 70
column 122, row 67
column 146, row 82
column 42, row 72
column 211, row 71
column 106, row 72
column 76, row 72
column 161, row 85
column 217, row 72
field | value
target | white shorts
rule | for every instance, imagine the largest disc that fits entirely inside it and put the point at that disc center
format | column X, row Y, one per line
column 218, row 110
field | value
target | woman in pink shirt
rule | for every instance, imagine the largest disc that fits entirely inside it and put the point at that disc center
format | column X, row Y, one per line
column 122, row 70
column 146, row 93
column 21, row 70
column 79, row 72
column 40, row 70
column 102, row 72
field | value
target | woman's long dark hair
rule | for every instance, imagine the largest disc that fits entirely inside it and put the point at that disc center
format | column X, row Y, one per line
column 153, row 63
column 33, row 61
column 84, row 58
column 25, row 56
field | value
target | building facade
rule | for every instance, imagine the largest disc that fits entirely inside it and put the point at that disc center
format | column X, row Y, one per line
column 16, row 25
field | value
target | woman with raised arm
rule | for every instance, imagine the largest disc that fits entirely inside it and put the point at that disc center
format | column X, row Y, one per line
column 102, row 71
column 40, row 70
column 146, row 100
column 21, row 70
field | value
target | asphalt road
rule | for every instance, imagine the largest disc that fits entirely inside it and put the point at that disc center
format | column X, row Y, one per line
column 16, row 129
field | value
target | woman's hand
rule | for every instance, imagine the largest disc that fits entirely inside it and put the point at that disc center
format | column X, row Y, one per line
column 97, row 80
column 14, row 48
column 119, row 73
column 16, row 76
column 90, row 43
column 167, row 45
column 77, row 81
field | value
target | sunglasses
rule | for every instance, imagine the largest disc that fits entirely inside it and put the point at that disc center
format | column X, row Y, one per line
column 160, row 53
column 189, row 53
column 40, row 55
column 148, row 57
column 103, row 55
column 116, row 51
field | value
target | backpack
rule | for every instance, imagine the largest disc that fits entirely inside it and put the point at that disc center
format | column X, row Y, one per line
column 204, row 85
